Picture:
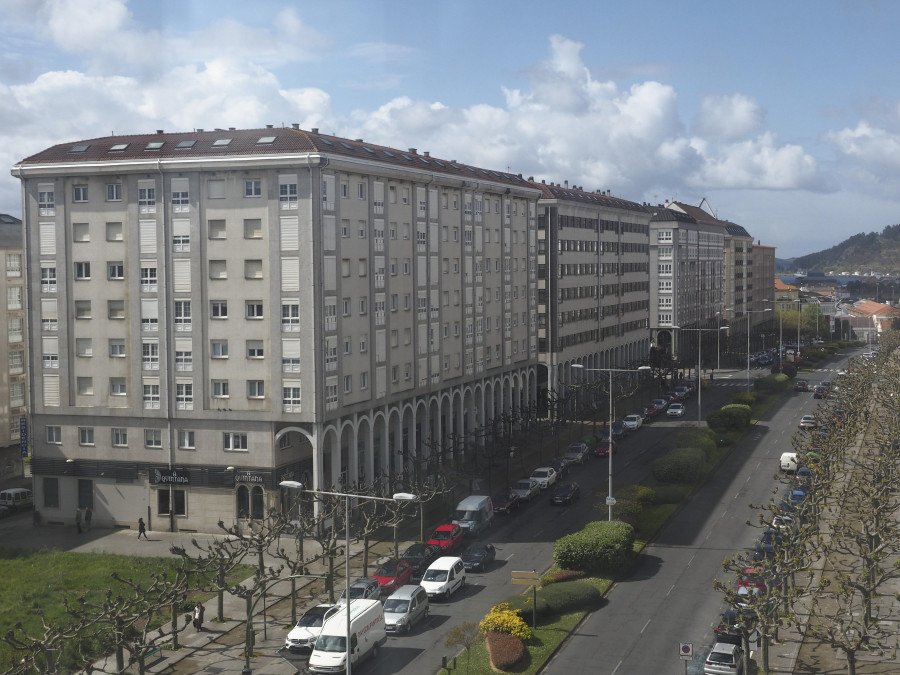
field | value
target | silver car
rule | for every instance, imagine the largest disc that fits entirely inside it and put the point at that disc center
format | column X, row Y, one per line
column 406, row 606
column 724, row 659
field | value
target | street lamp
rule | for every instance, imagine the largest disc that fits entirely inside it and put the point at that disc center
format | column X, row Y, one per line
column 748, row 313
column 610, row 501
column 700, row 332
column 295, row 485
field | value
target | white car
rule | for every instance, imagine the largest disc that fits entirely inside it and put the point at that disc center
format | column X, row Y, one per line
column 545, row 476
column 675, row 410
column 526, row 488
column 576, row 453
column 303, row 635
column 808, row 422
column 633, row 422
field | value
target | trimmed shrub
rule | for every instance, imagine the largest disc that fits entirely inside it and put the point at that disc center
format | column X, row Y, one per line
column 640, row 493
column 745, row 398
column 522, row 604
column 789, row 369
column 671, row 494
column 680, row 466
column 774, row 383
column 696, row 437
column 562, row 575
column 505, row 650
column 502, row 619
column 601, row 546
column 568, row 596
column 739, row 413
column 729, row 418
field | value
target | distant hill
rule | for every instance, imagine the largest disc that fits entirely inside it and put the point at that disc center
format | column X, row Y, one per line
column 864, row 252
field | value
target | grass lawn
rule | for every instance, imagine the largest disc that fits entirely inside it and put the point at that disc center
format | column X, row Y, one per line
column 41, row 579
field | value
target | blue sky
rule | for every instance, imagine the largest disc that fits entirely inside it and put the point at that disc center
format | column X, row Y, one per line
column 785, row 116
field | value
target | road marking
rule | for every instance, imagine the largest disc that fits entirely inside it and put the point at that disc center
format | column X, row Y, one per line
column 691, row 561
column 671, row 588
column 645, row 626
column 618, row 665
column 509, row 556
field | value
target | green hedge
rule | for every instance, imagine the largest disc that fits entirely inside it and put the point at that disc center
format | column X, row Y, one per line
column 671, row 494
column 773, row 383
column 745, row 398
column 696, row 437
column 680, row 466
column 729, row 418
column 601, row 546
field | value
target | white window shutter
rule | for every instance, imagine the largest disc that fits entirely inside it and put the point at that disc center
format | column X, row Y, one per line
column 148, row 236
column 290, row 233
column 48, row 238
column 51, row 390
column 181, row 275
column 290, row 274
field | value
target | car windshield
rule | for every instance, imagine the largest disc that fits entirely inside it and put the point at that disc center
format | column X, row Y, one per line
column 331, row 643
column 415, row 553
column 388, row 569
column 435, row 575
column 356, row 592
column 540, row 474
column 465, row 515
column 474, row 551
column 441, row 535
column 564, row 488
column 313, row 619
column 395, row 606
column 523, row 485
column 720, row 657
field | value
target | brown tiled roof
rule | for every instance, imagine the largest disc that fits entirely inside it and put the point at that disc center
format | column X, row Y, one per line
column 244, row 142
column 581, row 196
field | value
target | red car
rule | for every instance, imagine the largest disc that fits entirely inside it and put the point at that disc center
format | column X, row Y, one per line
column 651, row 410
column 602, row 449
column 393, row 574
column 449, row 537
column 752, row 577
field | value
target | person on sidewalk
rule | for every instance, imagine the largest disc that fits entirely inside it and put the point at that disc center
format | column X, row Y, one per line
column 88, row 515
column 199, row 609
column 78, row 520
column 142, row 528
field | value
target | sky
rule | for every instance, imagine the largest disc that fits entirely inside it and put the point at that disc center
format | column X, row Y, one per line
column 783, row 116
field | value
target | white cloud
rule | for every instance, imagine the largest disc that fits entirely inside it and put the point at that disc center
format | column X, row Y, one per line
column 868, row 145
column 728, row 117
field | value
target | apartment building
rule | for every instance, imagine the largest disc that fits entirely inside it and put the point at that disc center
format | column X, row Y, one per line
column 13, row 374
column 593, row 282
column 218, row 311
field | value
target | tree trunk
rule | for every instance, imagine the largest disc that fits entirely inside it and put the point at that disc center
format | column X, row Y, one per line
column 174, row 624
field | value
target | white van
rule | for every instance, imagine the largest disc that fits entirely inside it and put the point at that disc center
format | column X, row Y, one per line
column 367, row 635
column 474, row 514
column 16, row 498
column 444, row 576
column 788, row 461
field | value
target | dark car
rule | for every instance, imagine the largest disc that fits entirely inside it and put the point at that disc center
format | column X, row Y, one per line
column 801, row 385
column 820, row 392
column 619, row 430
column 478, row 556
column 506, row 502
column 561, row 466
column 770, row 539
column 566, row 493
column 420, row 556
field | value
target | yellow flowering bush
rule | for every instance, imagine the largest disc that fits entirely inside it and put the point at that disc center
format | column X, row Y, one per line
column 501, row 619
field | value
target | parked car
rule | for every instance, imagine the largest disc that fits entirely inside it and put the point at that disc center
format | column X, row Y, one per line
column 820, row 392
column 449, row 537
column 526, row 488
column 303, row 635
column 602, row 449
column 675, row 410
column 576, row 453
column 633, row 422
column 783, row 522
column 683, row 391
column 753, row 577
column 724, row 659
column 392, row 574
column 545, row 476
column 560, row 465
column 660, row 403
column 801, row 385
column 768, row 541
column 478, row 557
column 364, row 588
column 808, row 422
column 506, row 502
column 444, row 576
column 420, row 556
column 406, row 606
column 566, row 493
column 650, row 411
column 675, row 396
column 618, row 429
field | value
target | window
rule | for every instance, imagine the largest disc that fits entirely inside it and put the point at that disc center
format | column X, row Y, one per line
column 234, row 441
column 218, row 309
column 85, row 435
column 287, row 195
column 150, row 356
column 218, row 269
column 253, row 269
column 364, row 380
column 363, row 343
column 83, row 309
column 254, row 309
column 54, row 435
column 120, row 438
column 117, row 349
column 363, row 305
column 14, row 297
column 253, row 188
column 290, row 397
column 345, row 306
column 182, row 310
column 115, row 271
column 15, row 328
column 46, row 203
column 254, row 349
column 256, row 389
column 114, row 232
column 149, row 278
column 361, row 190
column 184, row 357
column 220, row 388
column 82, row 270
column 184, row 395
column 151, row 395
column 348, row 346
column 345, row 189
column 113, row 192
column 186, row 440
column 79, row 193
column 13, row 264
column 16, row 362
column 81, row 233
column 180, row 200
column 84, row 347
column 147, row 199
column 216, row 229
column 218, row 349
column 348, row 384
column 252, row 228
column 48, row 279
column 153, row 439
column 172, row 502
column 117, row 386
column 84, row 386
column 115, row 309
column 290, row 317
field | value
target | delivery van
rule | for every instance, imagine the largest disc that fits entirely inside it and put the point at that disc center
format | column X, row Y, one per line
column 788, row 462
column 445, row 575
column 16, row 498
column 367, row 635
column 474, row 514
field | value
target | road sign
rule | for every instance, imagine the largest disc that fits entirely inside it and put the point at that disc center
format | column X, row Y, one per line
column 525, row 578
column 686, row 650
column 610, row 501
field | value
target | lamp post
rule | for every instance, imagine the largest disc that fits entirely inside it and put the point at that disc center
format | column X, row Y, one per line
column 700, row 332
column 295, row 485
column 748, row 313
column 610, row 501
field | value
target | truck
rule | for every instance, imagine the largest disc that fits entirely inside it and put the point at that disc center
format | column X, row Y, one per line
column 474, row 514
column 367, row 635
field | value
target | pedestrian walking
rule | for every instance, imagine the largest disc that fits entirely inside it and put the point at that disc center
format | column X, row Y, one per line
column 88, row 515
column 199, row 609
column 78, row 520
column 142, row 528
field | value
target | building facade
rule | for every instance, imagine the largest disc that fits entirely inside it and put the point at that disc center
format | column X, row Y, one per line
column 218, row 311
column 13, row 373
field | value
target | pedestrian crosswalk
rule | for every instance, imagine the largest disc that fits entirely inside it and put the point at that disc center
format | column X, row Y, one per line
column 738, row 378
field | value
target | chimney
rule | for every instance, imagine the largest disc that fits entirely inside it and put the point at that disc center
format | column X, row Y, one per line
column 269, row 126
column 160, row 131
column 427, row 153
column 295, row 125
column 199, row 131
column 567, row 185
column 412, row 151
column 315, row 130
